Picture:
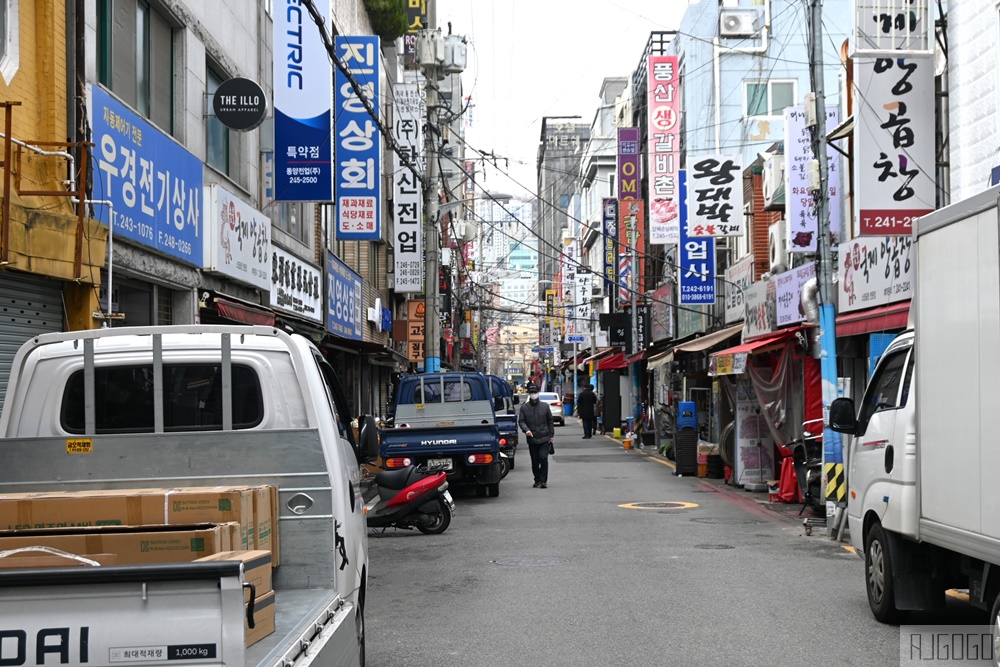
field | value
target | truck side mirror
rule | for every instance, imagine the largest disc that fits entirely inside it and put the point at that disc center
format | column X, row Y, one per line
column 842, row 416
column 368, row 440
column 498, row 404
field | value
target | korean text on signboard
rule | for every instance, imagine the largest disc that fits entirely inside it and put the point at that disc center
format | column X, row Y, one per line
column 662, row 314
column 408, row 200
column 415, row 315
column 696, row 260
column 628, row 163
column 609, row 220
column 416, row 20
column 788, row 293
column 875, row 272
column 154, row 184
column 632, row 233
column 358, row 171
column 803, row 227
column 238, row 238
column 738, row 278
column 761, row 309
column 664, row 149
column 884, row 26
column 894, row 149
column 715, row 196
column 296, row 285
column 343, row 299
column 302, row 93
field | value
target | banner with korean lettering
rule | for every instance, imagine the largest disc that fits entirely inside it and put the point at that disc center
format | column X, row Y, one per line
column 609, row 221
column 415, row 320
column 344, row 299
column 803, row 227
column 303, row 147
column 894, row 159
column 628, row 163
column 408, row 200
column 154, row 184
column 237, row 238
column 714, row 196
column 788, row 293
column 569, row 296
column 875, row 272
column 296, row 285
column 696, row 259
column 738, row 277
column 664, row 149
column 358, row 170
column 761, row 317
column 632, row 234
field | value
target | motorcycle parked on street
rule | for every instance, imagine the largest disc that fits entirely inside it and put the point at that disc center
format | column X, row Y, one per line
column 411, row 497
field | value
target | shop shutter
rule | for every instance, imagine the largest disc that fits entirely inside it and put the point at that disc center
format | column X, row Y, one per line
column 29, row 306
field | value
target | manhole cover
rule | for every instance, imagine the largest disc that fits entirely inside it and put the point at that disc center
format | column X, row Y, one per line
column 530, row 562
column 714, row 546
column 714, row 521
column 661, row 505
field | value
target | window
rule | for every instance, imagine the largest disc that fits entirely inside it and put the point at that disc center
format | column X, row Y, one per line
column 288, row 218
column 10, row 43
column 454, row 391
column 883, row 391
column 192, row 399
column 135, row 58
column 768, row 98
column 216, row 134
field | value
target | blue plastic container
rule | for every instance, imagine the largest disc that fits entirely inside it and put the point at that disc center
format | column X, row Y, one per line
column 686, row 415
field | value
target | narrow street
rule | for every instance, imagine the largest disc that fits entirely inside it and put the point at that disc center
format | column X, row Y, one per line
column 567, row 576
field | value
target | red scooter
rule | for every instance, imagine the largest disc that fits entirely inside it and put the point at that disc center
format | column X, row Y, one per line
column 411, row 497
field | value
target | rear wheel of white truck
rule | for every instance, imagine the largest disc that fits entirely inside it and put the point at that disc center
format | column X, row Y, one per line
column 359, row 619
column 504, row 466
column 878, row 575
column 995, row 622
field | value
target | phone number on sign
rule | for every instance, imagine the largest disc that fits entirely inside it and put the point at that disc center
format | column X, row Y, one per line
column 886, row 223
column 303, row 179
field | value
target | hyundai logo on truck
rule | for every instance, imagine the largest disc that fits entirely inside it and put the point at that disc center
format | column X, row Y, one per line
column 14, row 646
column 439, row 442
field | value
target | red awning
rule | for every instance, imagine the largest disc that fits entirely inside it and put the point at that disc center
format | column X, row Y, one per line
column 238, row 312
column 602, row 353
column 775, row 338
column 638, row 356
column 613, row 363
column 882, row 318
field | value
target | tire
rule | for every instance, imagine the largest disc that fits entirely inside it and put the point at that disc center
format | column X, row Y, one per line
column 727, row 446
column 878, row 576
column 504, row 466
column 442, row 519
column 995, row 622
column 359, row 620
column 511, row 460
column 493, row 490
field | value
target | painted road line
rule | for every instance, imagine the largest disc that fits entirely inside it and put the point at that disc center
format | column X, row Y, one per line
column 654, row 457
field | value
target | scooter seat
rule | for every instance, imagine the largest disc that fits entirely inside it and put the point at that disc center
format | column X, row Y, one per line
column 394, row 479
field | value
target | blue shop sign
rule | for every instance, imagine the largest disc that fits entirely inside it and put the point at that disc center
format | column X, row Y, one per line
column 386, row 319
column 343, row 299
column 153, row 183
column 697, row 259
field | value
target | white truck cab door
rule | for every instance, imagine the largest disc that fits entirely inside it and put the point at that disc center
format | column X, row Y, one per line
column 876, row 458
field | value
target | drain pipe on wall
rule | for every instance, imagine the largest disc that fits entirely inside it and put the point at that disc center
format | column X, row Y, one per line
column 111, row 247
column 717, row 49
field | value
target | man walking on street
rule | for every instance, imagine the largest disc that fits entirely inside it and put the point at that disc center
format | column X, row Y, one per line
column 586, row 406
column 535, row 419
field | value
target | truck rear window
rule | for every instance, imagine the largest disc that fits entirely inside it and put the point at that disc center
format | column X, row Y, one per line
column 192, row 399
column 431, row 392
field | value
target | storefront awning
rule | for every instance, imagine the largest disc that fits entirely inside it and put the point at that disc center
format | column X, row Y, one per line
column 709, row 340
column 660, row 359
column 638, row 356
column 613, row 363
column 242, row 312
column 882, row 318
column 599, row 355
column 732, row 360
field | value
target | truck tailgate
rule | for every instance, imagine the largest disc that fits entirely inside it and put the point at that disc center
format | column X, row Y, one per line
column 451, row 440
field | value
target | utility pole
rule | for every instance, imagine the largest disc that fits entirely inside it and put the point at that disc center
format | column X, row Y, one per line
column 832, row 450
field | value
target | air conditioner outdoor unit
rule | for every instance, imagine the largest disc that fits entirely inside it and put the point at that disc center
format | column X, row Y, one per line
column 774, row 177
column 737, row 23
column 777, row 252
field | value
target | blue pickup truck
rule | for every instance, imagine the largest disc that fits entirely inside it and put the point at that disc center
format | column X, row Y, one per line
column 504, row 400
column 446, row 419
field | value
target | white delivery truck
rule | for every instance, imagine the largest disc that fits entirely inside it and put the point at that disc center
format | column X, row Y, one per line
column 924, row 502
column 188, row 406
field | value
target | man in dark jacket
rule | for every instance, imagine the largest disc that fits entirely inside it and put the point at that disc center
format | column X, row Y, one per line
column 535, row 419
column 586, row 406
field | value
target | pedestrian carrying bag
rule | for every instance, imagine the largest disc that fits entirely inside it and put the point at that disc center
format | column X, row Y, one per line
column 552, row 448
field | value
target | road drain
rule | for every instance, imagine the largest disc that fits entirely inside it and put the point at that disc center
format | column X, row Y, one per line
column 714, row 546
column 530, row 562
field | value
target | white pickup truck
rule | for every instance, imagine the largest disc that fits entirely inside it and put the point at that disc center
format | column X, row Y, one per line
column 188, row 406
column 924, row 502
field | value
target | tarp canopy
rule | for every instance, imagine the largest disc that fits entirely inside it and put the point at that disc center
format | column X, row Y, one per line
column 613, row 363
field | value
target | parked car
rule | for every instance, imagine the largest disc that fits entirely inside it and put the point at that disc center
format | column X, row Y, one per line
column 555, row 404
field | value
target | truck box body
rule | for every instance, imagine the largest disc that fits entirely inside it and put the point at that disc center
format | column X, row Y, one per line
column 207, row 406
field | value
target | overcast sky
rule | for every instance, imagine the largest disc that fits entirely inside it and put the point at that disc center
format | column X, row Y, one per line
column 535, row 58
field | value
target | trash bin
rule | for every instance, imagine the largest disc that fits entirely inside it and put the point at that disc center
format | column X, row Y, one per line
column 568, row 408
column 686, row 439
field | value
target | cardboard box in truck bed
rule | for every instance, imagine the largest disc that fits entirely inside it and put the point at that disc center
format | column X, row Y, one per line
column 130, row 544
column 256, row 567
column 30, row 560
column 263, row 618
column 139, row 507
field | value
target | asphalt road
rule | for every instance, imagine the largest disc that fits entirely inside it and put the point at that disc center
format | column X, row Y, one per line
column 567, row 576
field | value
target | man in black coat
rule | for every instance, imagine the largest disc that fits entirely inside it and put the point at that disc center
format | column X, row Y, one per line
column 535, row 419
column 586, row 409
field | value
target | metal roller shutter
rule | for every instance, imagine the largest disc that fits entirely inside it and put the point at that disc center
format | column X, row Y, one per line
column 29, row 306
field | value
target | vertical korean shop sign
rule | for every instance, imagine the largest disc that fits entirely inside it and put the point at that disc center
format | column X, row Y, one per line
column 237, row 238
column 358, row 170
column 296, row 285
column 609, row 220
column 628, row 163
column 343, row 299
column 664, row 149
column 154, row 184
column 408, row 202
column 696, row 261
column 303, row 149
column 803, row 227
column 894, row 149
column 714, row 196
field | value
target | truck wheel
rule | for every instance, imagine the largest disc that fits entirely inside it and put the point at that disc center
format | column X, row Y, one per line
column 995, row 621
column 493, row 490
column 504, row 466
column 878, row 575
column 440, row 519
